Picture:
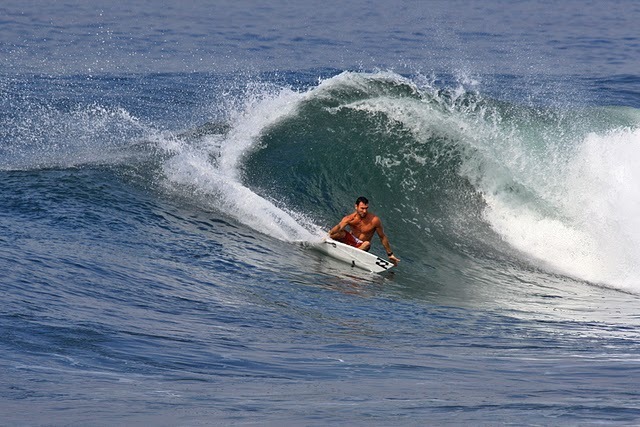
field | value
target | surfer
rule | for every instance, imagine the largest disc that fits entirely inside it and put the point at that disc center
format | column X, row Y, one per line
column 362, row 224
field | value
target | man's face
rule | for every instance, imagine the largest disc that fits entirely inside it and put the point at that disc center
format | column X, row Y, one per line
column 362, row 209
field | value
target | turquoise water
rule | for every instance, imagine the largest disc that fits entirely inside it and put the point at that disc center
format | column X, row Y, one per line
column 161, row 166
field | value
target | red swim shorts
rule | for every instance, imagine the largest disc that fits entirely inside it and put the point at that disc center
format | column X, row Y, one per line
column 351, row 240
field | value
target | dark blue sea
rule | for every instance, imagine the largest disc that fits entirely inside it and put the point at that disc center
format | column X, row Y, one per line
column 167, row 167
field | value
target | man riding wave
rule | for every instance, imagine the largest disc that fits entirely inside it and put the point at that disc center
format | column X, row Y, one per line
column 362, row 225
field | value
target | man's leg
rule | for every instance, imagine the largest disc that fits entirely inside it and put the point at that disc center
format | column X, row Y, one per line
column 338, row 235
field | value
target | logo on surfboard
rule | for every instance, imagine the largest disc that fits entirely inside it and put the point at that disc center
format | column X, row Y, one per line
column 382, row 263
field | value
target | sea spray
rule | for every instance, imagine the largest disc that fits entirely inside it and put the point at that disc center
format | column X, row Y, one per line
column 212, row 170
column 47, row 136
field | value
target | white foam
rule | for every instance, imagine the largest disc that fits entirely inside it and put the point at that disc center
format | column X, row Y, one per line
column 595, row 232
column 564, row 248
column 603, row 184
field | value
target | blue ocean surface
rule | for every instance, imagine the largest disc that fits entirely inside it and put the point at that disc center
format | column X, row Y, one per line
column 168, row 167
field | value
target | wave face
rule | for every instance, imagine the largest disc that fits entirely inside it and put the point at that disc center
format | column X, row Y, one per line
column 458, row 178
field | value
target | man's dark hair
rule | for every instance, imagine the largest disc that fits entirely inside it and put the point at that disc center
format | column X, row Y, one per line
column 362, row 199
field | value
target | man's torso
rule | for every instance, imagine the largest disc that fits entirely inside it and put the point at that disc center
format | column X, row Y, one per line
column 363, row 228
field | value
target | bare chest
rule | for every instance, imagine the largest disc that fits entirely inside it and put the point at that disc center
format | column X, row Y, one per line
column 362, row 226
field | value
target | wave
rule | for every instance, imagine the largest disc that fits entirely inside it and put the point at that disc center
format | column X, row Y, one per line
column 449, row 171
column 461, row 180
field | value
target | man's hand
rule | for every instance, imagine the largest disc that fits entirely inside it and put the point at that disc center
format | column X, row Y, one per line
column 393, row 259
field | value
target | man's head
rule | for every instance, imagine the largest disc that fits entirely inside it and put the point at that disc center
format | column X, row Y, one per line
column 362, row 206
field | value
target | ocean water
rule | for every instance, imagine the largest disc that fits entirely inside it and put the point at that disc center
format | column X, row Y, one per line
column 167, row 167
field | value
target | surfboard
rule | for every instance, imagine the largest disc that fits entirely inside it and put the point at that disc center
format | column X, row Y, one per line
column 354, row 256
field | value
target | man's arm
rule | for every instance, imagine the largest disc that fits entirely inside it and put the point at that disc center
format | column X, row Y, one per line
column 336, row 231
column 385, row 243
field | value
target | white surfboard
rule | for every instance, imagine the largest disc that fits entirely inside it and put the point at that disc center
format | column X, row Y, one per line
column 354, row 256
